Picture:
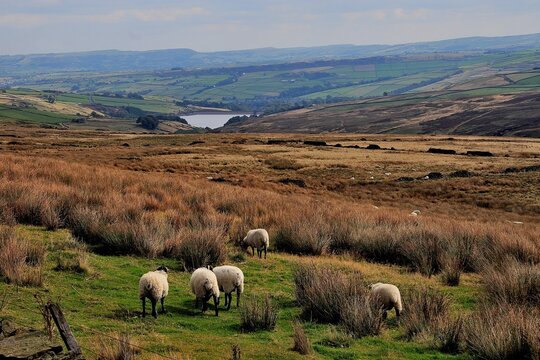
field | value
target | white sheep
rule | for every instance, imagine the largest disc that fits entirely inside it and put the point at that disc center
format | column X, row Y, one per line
column 204, row 285
column 388, row 296
column 257, row 239
column 415, row 213
column 154, row 286
column 230, row 278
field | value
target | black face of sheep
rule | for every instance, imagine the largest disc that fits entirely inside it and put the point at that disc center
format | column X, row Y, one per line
column 163, row 268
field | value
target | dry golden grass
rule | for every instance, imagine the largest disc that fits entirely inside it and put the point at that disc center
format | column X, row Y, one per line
column 21, row 262
column 342, row 172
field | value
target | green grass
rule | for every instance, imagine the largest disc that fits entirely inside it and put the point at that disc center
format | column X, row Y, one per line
column 150, row 104
column 32, row 115
column 106, row 301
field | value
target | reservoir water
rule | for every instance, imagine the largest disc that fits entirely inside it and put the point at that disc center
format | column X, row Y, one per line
column 209, row 120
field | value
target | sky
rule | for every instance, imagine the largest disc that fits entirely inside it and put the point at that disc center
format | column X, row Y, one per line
column 43, row 26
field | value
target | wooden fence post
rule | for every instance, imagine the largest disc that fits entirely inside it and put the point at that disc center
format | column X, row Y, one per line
column 63, row 329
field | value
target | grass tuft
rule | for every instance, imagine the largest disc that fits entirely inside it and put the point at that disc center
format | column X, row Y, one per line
column 302, row 345
column 258, row 314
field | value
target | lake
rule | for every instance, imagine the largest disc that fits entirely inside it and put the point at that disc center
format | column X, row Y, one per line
column 209, row 120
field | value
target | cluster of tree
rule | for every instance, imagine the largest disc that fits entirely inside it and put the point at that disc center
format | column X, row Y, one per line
column 171, row 117
column 122, row 95
column 119, row 111
column 239, row 119
column 149, row 122
column 234, row 106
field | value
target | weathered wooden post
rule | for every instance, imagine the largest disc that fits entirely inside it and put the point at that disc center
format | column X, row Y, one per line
column 63, row 329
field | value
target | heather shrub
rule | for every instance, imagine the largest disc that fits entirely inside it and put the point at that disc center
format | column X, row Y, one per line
column 503, row 332
column 424, row 250
column 196, row 248
column 362, row 316
column 380, row 244
column 425, row 308
column 451, row 274
column 323, row 292
column 448, row 335
column 21, row 262
column 512, row 283
column 303, row 234
column 258, row 314
column 301, row 345
column 120, row 349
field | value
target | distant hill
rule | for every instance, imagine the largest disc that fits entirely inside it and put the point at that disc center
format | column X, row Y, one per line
column 114, row 60
column 445, row 113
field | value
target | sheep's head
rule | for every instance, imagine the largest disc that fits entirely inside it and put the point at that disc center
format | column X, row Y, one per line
column 163, row 268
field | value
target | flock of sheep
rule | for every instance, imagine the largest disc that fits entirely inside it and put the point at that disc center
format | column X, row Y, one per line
column 207, row 283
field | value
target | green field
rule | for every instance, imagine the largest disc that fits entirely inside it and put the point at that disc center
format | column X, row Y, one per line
column 302, row 81
column 8, row 113
column 105, row 301
column 150, row 104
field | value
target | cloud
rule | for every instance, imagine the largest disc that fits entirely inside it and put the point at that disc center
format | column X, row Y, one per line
column 22, row 20
column 385, row 14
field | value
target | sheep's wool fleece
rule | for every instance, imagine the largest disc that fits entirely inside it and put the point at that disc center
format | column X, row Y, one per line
column 388, row 294
column 257, row 238
column 229, row 278
column 204, row 282
column 154, row 285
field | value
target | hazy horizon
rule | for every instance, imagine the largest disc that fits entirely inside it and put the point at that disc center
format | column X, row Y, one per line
column 59, row 26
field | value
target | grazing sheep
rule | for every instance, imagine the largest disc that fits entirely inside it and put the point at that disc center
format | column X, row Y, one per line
column 257, row 239
column 154, row 286
column 389, row 297
column 415, row 213
column 230, row 278
column 204, row 285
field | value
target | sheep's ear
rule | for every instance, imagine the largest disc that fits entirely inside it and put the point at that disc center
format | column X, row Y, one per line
column 209, row 267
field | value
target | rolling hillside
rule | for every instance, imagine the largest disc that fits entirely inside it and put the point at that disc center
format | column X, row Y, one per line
column 504, row 114
column 114, row 60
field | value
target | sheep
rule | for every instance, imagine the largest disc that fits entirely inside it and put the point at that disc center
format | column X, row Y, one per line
column 389, row 297
column 230, row 278
column 415, row 213
column 259, row 239
column 204, row 285
column 154, row 286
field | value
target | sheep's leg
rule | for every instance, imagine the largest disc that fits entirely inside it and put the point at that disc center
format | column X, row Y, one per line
column 384, row 315
column 237, row 297
column 154, row 312
column 253, row 250
column 226, row 299
column 397, row 315
column 265, row 253
column 216, row 303
column 196, row 303
column 205, row 305
column 163, row 305
column 259, row 253
column 144, row 307
column 229, row 296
